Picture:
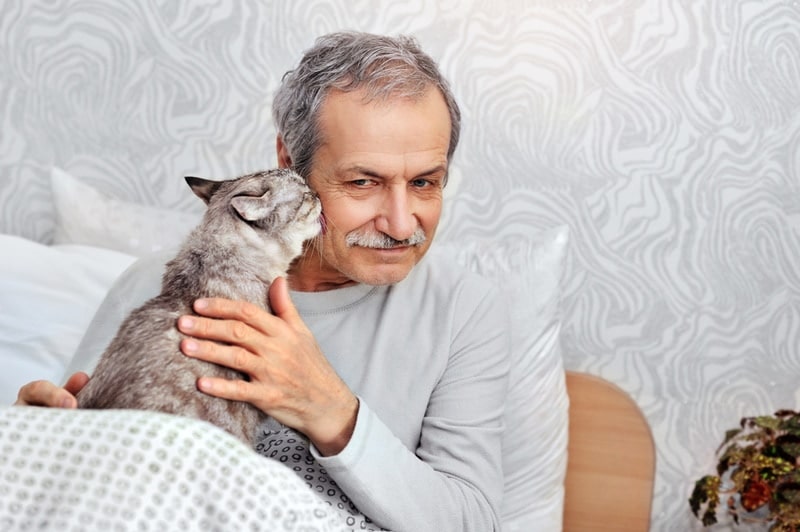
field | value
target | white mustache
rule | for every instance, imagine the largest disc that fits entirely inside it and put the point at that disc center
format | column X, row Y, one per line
column 377, row 240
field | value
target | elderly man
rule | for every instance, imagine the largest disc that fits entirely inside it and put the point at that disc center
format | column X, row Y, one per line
column 393, row 365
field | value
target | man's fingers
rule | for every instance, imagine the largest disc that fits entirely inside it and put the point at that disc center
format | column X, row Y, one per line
column 281, row 302
column 45, row 393
column 229, row 356
column 234, row 390
column 76, row 382
column 217, row 307
column 218, row 330
column 279, row 295
column 230, row 312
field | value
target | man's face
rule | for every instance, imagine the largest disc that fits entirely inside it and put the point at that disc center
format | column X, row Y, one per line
column 379, row 173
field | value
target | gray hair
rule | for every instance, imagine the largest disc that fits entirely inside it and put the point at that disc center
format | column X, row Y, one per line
column 386, row 67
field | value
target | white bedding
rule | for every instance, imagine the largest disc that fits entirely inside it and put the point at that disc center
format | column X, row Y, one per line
column 109, row 470
column 48, row 296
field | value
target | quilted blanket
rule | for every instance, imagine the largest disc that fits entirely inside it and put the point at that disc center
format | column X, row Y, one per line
column 133, row 470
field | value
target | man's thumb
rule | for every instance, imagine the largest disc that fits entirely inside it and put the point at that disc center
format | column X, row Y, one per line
column 279, row 300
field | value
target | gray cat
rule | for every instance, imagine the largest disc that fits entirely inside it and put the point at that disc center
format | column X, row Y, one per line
column 255, row 225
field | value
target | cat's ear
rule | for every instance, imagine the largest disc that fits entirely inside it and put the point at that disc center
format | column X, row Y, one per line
column 252, row 208
column 202, row 188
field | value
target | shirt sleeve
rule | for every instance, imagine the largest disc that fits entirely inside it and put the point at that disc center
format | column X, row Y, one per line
column 453, row 480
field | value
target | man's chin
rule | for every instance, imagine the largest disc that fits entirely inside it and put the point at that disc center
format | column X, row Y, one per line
column 382, row 267
column 383, row 274
column 376, row 278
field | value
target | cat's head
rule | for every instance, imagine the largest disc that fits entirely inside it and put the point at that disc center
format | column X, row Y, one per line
column 275, row 204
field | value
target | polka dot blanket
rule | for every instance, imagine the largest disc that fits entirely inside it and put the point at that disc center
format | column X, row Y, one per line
column 109, row 470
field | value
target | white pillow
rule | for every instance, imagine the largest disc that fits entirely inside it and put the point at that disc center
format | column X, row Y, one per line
column 535, row 440
column 49, row 295
column 86, row 216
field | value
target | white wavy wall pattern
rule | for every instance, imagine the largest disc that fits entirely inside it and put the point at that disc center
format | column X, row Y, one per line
column 666, row 134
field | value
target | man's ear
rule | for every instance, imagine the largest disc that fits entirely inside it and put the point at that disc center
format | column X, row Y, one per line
column 284, row 159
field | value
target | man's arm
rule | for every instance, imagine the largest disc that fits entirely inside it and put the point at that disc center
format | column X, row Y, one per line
column 453, row 479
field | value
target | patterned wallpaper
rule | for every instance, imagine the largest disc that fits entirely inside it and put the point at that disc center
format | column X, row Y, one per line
column 665, row 133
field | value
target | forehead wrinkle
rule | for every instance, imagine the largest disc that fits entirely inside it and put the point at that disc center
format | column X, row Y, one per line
column 410, row 169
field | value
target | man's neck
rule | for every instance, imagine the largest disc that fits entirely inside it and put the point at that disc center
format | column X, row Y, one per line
column 302, row 285
column 306, row 275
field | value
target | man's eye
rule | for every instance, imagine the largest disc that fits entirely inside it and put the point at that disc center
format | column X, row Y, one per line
column 421, row 183
column 360, row 182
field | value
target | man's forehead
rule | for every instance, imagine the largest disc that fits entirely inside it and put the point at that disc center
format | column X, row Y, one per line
column 384, row 164
column 405, row 137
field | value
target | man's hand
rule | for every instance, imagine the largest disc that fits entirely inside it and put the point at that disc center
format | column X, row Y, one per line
column 45, row 393
column 290, row 378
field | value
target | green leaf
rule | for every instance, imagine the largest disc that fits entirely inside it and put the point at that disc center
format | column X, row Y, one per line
column 788, row 492
column 767, row 422
column 729, row 435
column 789, row 445
column 791, row 423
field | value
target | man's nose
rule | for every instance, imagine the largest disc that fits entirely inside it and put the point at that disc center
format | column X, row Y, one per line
column 397, row 218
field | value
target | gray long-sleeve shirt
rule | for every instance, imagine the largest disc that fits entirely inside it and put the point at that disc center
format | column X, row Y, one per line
column 428, row 358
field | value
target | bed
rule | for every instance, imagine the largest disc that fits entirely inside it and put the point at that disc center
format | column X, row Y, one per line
column 102, row 470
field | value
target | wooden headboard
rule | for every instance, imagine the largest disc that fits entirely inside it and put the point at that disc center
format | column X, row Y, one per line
column 611, row 459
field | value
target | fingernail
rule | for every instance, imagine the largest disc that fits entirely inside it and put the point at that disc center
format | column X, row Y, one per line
column 186, row 322
column 200, row 304
column 66, row 402
column 204, row 385
column 190, row 346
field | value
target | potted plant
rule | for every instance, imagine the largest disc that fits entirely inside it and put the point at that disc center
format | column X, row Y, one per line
column 758, row 471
